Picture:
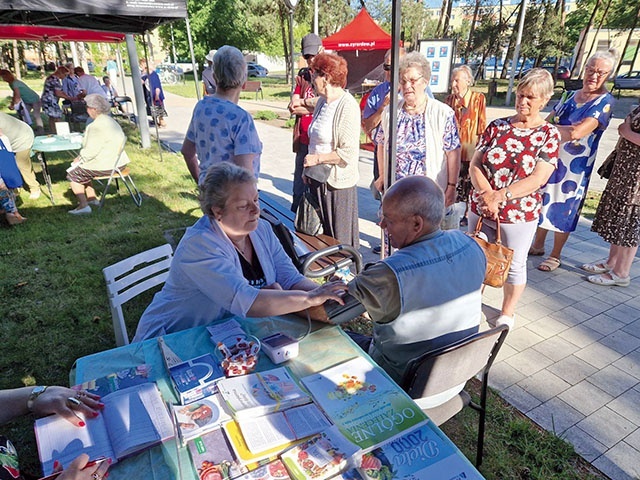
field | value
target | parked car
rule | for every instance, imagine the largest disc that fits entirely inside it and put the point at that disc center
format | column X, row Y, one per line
column 183, row 64
column 629, row 81
column 561, row 74
column 255, row 70
column 32, row 67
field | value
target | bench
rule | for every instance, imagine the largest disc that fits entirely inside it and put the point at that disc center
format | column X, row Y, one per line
column 254, row 86
column 571, row 84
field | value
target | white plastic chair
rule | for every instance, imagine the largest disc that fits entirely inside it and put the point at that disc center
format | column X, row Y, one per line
column 132, row 276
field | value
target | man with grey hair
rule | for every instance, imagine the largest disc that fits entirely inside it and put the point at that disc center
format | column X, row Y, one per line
column 220, row 130
column 427, row 294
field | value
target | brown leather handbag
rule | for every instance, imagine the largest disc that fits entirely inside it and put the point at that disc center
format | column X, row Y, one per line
column 498, row 256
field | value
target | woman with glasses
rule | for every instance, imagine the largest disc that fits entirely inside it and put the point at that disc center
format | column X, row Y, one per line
column 230, row 263
column 582, row 117
column 471, row 118
column 331, row 167
column 427, row 136
column 514, row 158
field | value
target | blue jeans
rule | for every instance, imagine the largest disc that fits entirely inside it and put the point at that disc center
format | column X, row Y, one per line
column 298, row 184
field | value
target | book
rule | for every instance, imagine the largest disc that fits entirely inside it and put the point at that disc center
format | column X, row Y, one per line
column 199, row 417
column 128, row 377
column 279, row 428
column 365, row 404
column 133, row 419
column 219, row 332
column 196, row 379
column 260, row 393
column 272, row 471
column 242, row 452
column 418, row 453
column 213, row 457
column 322, row 456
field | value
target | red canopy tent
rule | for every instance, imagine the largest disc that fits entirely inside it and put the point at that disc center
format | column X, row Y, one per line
column 363, row 44
column 34, row 33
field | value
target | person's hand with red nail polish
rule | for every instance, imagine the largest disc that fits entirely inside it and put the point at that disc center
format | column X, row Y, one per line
column 82, row 469
column 73, row 405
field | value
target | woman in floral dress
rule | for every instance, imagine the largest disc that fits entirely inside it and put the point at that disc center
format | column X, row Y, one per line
column 514, row 158
column 581, row 117
column 617, row 218
column 471, row 117
column 51, row 95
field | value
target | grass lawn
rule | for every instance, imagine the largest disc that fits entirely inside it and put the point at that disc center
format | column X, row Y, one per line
column 56, row 309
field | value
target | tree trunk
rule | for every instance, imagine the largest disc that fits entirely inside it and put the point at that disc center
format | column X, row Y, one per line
column 512, row 41
column 580, row 50
column 626, row 45
column 16, row 61
column 443, row 12
column 284, row 28
column 447, row 19
column 561, row 13
column 476, row 9
column 595, row 37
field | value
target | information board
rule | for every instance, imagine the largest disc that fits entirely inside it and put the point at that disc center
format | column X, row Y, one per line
column 440, row 54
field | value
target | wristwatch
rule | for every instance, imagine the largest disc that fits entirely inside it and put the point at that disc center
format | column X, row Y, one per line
column 35, row 393
column 507, row 194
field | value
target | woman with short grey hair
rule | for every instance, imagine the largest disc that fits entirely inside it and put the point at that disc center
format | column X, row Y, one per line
column 220, row 130
column 582, row 117
column 514, row 158
column 230, row 263
column 101, row 148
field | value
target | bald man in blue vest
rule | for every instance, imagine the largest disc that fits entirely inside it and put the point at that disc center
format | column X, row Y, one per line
column 427, row 294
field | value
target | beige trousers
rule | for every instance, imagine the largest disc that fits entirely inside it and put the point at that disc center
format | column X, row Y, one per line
column 26, row 170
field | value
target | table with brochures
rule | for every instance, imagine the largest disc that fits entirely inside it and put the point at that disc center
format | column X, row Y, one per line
column 54, row 143
column 325, row 347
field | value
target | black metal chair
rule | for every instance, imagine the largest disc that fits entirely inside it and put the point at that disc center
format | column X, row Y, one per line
column 446, row 368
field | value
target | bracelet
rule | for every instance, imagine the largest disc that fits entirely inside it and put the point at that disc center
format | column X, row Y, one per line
column 451, row 184
column 35, row 393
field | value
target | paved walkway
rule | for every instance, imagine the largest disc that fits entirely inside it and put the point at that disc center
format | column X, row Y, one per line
column 572, row 362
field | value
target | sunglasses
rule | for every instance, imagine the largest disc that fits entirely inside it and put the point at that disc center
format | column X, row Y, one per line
column 308, row 56
column 386, row 67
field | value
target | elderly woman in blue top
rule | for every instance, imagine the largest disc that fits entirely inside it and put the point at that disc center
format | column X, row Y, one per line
column 230, row 263
column 220, row 130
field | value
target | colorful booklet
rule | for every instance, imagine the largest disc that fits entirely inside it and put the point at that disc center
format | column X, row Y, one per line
column 196, row 378
column 279, row 428
column 133, row 419
column 271, row 471
column 367, row 406
column 322, row 456
column 242, row 452
column 260, row 393
column 200, row 417
column 419, row 453
column 213, row 457
column 126, row 378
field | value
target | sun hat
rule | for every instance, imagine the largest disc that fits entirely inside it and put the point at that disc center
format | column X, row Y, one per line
column 210, row 55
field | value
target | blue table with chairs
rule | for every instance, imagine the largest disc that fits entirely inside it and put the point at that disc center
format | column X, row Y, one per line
column 54, row 143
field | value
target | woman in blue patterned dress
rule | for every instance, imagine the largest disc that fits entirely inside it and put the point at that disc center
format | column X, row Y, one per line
column 582, row 117
column 51, row 95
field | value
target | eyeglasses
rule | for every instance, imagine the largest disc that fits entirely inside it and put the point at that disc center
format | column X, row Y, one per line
column 308, row 56
column 412, row 81
column 386, row 67
column 592, row 71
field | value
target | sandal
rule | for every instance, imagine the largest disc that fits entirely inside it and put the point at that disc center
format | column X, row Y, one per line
column 550, row 264
column 614, row 280
column 536, row 252
column 601, row 267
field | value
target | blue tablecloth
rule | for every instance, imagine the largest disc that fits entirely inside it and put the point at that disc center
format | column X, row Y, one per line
column 56, row 143
column 324, row 347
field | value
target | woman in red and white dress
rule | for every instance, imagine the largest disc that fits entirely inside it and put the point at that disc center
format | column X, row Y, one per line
column 514, row 158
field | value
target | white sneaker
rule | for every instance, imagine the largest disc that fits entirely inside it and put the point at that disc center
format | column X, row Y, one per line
column 505, row 320
column 81, row 211
column 95, row 203
column 35, row 194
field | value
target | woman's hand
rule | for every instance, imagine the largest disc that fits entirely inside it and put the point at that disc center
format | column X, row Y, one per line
column 311, row 160
column 327, row 291
column 67, row 403
column 82, row 469
column 489, row 203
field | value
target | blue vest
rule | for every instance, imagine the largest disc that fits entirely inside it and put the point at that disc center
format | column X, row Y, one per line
column 440, row 279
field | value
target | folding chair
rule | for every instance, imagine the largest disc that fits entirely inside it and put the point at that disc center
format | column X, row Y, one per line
column 120, row 108
column 132, row 276
column 120, row 173
column 75, row 112
column 443, row 369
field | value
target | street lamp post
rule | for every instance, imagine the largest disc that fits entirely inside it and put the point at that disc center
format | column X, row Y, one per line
column 291, row 5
